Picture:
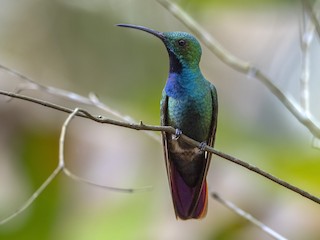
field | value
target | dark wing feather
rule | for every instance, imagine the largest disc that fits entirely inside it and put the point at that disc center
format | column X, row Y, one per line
column 164, row 122
column 210, row 142
column 213, row 128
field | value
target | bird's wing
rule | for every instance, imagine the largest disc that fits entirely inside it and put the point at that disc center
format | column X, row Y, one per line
column 210, row 142
column 213, row 128
column 214, row 118
column 165, row 137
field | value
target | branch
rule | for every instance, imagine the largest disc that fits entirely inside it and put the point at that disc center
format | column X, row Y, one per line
column 247, row 216
column 62, row 168
column 92, row 100
column 171, row 130
column 241, row 66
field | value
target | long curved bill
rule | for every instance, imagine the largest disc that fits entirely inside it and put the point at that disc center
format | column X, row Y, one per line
column 142, row 28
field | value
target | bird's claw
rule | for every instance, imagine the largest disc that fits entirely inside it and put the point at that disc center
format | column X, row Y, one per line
column 202, row 146
column 177, row 134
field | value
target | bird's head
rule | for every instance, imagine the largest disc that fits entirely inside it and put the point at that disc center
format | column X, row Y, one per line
column 183, row 48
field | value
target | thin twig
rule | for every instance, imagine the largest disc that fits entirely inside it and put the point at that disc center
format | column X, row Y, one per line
column 68, row 173
column 61, row 167
column 168, row 129
column 313, row 16
column 91, row 100
column 242, row 66
column 247, row 216
column 34, row 196
column 75, row 97
column 306, row 36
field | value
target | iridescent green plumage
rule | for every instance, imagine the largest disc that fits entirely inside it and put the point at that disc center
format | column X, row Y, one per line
column 189, row 104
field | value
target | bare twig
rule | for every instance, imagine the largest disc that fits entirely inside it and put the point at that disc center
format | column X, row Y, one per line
column 91, row 100
column 309, row 24
column 242, row 66
column 247, row 216
column 71, row 96
column 313, row 16
column 67, row 172
column 34, row 196
column 168, row 129
column 62, row 168
column 306, row 37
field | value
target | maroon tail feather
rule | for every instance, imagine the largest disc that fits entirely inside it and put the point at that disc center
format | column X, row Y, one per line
column 186, row 200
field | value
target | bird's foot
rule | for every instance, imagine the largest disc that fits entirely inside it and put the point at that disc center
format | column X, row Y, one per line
column 177, row 134
column 202, row 146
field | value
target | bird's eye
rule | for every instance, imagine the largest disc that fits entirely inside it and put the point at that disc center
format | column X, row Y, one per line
column 182, row 42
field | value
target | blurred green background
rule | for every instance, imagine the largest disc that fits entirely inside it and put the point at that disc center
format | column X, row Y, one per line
column 74, row 45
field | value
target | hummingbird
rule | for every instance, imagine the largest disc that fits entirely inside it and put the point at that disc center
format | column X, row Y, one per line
column 189, row 104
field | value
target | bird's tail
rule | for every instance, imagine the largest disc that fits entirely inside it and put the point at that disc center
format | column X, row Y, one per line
column 189, row 202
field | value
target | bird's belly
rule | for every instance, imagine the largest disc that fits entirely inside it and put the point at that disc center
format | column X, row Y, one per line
column 180, row 148
column 189, row 161
column 191, row 116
